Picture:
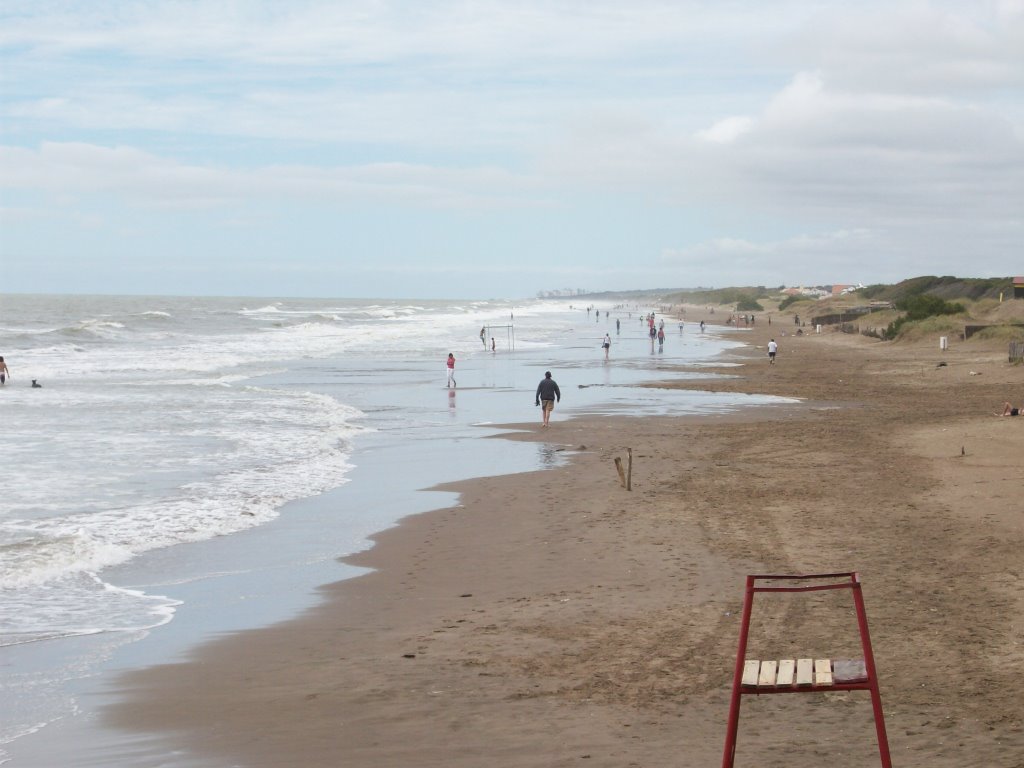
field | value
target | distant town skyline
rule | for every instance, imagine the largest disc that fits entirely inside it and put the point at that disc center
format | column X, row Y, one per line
column 485, row 149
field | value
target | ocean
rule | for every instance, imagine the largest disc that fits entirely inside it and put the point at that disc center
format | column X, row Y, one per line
column 190, row 466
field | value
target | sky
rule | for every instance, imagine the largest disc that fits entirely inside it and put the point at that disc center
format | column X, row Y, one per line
column 465, row 149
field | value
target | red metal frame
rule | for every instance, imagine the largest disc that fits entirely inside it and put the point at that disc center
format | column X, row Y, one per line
column 851, row 581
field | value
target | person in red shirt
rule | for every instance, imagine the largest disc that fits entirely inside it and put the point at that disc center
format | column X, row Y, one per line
column 451, row 370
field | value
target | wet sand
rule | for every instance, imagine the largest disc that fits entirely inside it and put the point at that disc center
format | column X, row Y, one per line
column 553, row 618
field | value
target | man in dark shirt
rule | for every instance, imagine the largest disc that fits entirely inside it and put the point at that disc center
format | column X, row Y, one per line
column 547, row 393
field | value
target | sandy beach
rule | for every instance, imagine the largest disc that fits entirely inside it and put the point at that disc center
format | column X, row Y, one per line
column 554, row 618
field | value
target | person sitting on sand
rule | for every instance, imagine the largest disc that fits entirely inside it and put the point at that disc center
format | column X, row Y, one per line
column 1009, row 410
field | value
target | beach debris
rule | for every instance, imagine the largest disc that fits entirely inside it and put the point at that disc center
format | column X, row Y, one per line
column 467, row 594
column 408, row 655
column 943, row 364
column 974, row 373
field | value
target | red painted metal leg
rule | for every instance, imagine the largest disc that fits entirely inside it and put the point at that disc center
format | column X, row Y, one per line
column 869, row 663
column 737, row 680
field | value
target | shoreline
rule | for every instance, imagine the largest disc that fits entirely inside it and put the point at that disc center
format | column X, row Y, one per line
column 551, row 616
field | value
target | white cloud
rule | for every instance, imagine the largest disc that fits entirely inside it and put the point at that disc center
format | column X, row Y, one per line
column 847, row 241
column 18, row 214
column 136, row 177
column 727, row 130
column 813, row 152
column 372, row 31
column 920, row 47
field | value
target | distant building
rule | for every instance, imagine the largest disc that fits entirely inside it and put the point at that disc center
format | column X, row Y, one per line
column 805, row 291
column 822, row 291
column 1018, row 287
column 560, row 292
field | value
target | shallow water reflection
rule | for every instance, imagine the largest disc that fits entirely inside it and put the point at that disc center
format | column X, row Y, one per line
column 550, row 456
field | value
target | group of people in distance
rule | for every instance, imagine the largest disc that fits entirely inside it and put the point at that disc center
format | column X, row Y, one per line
column 548, row 393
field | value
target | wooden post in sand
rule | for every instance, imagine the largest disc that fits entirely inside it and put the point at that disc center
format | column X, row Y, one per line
column 625, row 478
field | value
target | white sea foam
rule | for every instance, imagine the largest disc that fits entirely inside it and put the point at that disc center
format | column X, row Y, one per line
column 153, row 468
column 266, row 309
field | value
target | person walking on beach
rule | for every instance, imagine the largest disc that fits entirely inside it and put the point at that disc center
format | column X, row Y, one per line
column 451, row 370
column 772, row 349
column 483, row 336
column 547, row 393
column 4, row 373
column 607, row 344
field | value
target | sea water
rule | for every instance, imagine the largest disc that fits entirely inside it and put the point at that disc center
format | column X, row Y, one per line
column 171, row 437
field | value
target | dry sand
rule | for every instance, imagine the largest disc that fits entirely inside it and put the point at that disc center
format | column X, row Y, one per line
column 555, row 619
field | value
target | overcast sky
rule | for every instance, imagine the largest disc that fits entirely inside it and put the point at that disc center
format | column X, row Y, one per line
column 494, row 149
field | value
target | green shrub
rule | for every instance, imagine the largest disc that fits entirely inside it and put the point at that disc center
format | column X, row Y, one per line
column 922, row 305
column 870, row 291
column 918, row 307
column 893, row 329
